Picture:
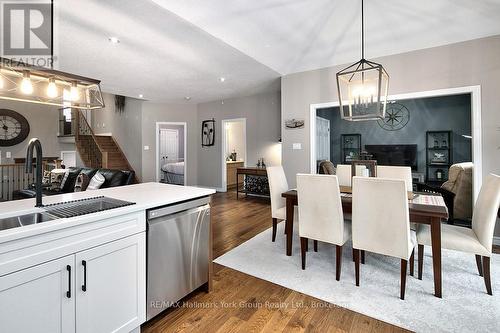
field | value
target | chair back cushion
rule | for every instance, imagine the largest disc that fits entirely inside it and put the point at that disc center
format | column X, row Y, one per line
column 320, row 208
column 380, row 216
column 396, row 172
column 277, row 185
column 343, row 173
column 460, row 182
column 485, row 211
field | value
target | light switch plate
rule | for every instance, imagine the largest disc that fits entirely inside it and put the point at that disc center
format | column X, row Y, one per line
column 146, row 147
column 297, row 146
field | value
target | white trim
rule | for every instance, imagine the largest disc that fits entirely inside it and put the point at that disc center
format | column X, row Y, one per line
column 475, row 92
column 496, row 240
column 104, row 134
column 223, row 187
column 157, row 147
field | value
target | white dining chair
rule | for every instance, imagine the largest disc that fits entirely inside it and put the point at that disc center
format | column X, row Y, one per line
column 344, row 173
column 277, row 185
column 381, row 227
column 396, row 172
column 320, row 214
column 478, row 240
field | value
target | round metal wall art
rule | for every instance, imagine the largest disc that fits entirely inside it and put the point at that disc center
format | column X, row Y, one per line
column 397, row 117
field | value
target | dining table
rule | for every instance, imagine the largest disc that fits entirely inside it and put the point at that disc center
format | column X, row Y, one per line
column 423, row 209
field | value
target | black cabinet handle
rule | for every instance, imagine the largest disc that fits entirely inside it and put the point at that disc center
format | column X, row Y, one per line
column 68, row 293
column 84, row 286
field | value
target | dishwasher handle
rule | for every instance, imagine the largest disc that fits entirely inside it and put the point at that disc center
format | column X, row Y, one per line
column 176, row 208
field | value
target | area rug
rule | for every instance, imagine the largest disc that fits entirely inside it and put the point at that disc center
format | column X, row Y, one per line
column 465, row 306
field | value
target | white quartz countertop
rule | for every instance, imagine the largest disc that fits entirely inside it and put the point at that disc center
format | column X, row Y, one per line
column 145, row 196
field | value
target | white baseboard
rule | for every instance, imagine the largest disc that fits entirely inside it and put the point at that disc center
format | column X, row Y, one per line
column 496, row 240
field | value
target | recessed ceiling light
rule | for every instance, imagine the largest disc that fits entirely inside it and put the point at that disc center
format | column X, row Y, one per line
column 187, row 98
column 222, row 79
column 141, row 96
column 114, row 40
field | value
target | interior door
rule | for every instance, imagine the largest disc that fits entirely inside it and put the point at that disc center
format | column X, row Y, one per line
column 111, row 286
column 322, row 139
column 68, row 158
column 169, row 145
column 36, row 299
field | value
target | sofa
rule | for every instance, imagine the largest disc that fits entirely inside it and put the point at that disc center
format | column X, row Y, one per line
column 457, row 192
column 113, row 178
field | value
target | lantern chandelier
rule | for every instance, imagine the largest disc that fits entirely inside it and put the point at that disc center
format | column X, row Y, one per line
column 26, row 83
column 363, row 86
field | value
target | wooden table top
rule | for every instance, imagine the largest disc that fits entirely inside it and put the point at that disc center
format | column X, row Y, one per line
column 415, row 208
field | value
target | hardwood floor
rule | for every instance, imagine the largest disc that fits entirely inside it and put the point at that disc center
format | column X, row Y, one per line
column 242, row 303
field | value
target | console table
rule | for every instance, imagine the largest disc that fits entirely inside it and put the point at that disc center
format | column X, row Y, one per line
column 255, row 183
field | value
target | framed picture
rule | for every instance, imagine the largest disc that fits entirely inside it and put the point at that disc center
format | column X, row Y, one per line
column 294, row 124
column 208, row 133
column 365, row 168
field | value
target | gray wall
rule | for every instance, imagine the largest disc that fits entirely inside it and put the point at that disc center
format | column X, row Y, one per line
column 426, row 114
column 462, row 64
column 262, row 113
column 125, row 127
column 155, row 112
column 44, row 125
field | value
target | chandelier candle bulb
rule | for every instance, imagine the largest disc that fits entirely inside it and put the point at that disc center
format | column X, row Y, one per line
column 26, row 85
column 52, row 89
column 74, row 93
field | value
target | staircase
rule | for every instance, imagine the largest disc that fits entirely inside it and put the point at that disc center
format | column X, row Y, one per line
column 115, row 157
column 98, row 151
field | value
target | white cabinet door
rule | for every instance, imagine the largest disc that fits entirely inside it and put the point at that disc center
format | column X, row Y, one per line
column 111, row 286
column 40, row 298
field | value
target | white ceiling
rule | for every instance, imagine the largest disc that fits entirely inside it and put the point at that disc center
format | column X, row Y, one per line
column 160, row 55
column 171, row 48
column 297, row 35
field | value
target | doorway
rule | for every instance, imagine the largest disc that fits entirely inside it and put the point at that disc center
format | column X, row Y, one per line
column 475, row 125
column 234, row 151
column 171, row 164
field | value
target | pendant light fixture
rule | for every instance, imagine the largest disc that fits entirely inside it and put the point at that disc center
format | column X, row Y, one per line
column 26, row 83
column 363, row 86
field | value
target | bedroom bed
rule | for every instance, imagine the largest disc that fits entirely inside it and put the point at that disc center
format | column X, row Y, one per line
column 173, row 173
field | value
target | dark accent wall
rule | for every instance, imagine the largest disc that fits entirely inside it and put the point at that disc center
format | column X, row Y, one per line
column 426, row 114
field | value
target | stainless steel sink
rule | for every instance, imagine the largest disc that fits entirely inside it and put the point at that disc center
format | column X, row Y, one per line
column 22, row 220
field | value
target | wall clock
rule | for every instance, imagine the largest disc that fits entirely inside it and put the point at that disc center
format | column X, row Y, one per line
column 14, row 128
column 397, row 116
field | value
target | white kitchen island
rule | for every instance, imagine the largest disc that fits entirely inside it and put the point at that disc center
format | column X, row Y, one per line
column 81, row 274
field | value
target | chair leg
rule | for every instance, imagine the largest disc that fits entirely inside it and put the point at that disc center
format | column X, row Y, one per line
column 315, row 246
column 307, row 244
column 275, row 227
column 412, row 262
column 338, row 258
column 404, row 264
column 479, row 265
column 420, row 260
column 363, row 257
column 356, row 264
column 303, row 243
column 486, row 274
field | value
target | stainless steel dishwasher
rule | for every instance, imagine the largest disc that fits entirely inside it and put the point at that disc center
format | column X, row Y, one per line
column 177, row 251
